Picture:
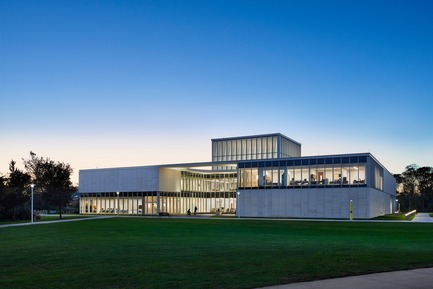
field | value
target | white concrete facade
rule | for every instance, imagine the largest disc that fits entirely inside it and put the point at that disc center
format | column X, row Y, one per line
column 326, row 203
column 132, row 179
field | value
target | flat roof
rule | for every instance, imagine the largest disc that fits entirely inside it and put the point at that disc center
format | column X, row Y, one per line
column 197, row 165
column 256, row 136
column 172, row 166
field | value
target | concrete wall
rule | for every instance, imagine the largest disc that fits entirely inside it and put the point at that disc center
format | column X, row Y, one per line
column 389, row 183
column 132, row 179
column 381, row 203
column 313, row 203
column 169, row 180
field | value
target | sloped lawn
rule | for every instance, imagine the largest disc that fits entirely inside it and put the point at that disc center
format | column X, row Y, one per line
column 204, row 253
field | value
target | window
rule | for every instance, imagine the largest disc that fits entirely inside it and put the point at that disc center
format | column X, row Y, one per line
column 224, row 150
column 214, row 151
column 297, row 180
column 337, row 174
column 244, row 149
column 259, row 148
column 305, row 176
column 254, row 177
column 253, row 149
column 345, row 174
column 313, row 174
column 248, row 151
column 283, row 176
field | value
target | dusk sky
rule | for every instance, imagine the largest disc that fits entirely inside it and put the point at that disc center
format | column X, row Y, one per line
column 128, row 83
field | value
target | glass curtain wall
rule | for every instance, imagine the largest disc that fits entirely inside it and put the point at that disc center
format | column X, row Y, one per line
column 254, row 148
column 376, row 172
column 289, row 148
column 265, row 147
column 146, row 203
column 209, row 192
column 125, row 203
column 300, row 173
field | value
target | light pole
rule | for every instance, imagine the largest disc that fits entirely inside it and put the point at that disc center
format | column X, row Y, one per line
column 31, row 208
column 118, row 203
column 398, row 206
column 239, row 205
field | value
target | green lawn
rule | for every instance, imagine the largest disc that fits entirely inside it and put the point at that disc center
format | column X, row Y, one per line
column 204, row 253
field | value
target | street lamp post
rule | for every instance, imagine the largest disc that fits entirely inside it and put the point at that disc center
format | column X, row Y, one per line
column 118, row 203
column 31, row 207
column 239, row 205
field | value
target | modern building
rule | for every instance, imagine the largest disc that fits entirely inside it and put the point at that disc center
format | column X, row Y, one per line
column 250, row 176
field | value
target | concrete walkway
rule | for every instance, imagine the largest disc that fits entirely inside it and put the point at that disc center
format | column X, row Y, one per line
column 54, row 221
column 412, row 279
column 423, row 218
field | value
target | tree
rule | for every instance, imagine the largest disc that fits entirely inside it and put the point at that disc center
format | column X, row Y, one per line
column 18, row 183
column 15, row 189
column 415, row 188
column 3, row 181
column 52, row 180
column 409, row 183
column 424, row 178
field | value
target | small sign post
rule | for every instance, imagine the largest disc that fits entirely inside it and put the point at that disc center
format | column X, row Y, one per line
column 351, row 210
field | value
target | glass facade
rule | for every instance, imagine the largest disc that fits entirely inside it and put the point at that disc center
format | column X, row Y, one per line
column 254, row 148
column 306, row 173
column 211, row 191
column 376, row 175
column 129, row 203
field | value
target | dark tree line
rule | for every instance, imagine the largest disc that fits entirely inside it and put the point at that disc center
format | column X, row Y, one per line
column 415, row 188
column 53, row 187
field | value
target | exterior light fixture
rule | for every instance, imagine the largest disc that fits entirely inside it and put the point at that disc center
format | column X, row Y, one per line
column 238, row 208
column 31, row 209
column 118, row 203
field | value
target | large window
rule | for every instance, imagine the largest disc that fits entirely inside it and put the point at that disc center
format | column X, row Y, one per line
column 255, row 147
column 301, row 173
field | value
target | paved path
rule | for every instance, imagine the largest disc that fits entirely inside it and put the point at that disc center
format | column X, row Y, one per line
column 55, row 221
column 423, row 218
column 412, row 279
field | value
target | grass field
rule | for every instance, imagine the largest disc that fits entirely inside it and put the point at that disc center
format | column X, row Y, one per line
column 204, row 253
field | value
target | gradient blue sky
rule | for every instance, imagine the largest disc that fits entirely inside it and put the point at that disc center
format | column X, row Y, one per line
column 125, row 83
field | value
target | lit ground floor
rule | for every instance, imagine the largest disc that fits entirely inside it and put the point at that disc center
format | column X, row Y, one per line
column 154, row 203
column 274, row 203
